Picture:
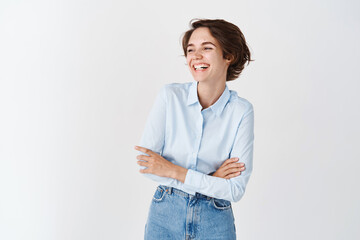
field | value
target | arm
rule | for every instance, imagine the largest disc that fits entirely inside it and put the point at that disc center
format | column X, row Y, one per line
column 229, row 189
column 159, row 169
column 153, row 137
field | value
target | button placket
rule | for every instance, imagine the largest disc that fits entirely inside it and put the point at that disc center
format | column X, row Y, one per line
column 198, row 139
column 197, row 136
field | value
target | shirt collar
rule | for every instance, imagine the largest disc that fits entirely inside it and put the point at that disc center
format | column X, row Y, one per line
column 192, row 95
column 217, row 107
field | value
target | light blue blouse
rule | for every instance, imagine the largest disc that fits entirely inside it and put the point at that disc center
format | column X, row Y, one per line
column 201, row 141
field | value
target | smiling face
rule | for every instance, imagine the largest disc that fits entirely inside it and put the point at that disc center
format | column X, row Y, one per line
column 205, row 57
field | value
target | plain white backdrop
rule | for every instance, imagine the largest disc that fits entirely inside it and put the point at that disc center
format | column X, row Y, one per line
column 78, row 79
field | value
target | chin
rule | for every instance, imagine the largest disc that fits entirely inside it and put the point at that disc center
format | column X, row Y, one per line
column 199, row 79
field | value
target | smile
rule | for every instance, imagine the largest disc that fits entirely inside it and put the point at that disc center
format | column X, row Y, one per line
column 201, row 67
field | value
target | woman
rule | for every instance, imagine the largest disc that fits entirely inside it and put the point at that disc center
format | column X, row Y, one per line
column 198, row 139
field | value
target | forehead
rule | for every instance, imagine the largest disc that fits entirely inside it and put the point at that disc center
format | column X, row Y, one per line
column 202, row 34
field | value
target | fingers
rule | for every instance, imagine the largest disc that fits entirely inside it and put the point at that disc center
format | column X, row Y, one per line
column 232, row 171
column 143, row 163
column 234, row 165
column 233, row 168
column 143, row 157
column 144, row 170
column 144, row 150
column 232, row 175
column 230, row 160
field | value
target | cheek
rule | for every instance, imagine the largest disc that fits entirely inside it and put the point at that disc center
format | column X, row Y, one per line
column 188, row 61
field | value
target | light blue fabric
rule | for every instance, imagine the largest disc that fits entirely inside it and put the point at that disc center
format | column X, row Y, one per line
column 201, row 141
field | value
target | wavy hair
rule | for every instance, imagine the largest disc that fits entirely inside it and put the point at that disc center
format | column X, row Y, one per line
column 231, row 40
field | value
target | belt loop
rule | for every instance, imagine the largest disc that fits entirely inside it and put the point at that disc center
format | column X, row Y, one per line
column 170, row 190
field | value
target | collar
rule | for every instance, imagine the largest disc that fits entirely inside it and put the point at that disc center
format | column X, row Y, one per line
column 217, row 107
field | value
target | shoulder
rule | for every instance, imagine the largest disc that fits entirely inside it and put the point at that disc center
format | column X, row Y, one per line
column 178, row 89
column 239, row 103
column 174, row 87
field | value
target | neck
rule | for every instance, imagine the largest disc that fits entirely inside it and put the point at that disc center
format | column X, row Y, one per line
column 209, row 93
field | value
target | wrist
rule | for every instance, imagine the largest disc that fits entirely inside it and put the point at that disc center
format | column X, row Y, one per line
column 179, row 173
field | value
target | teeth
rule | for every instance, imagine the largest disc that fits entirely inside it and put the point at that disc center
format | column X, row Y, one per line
column 200, row 66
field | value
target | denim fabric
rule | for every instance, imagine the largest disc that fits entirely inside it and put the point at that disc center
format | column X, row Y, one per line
column 176, row 215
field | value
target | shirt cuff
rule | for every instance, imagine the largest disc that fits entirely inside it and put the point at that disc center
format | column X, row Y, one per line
column 193, row 179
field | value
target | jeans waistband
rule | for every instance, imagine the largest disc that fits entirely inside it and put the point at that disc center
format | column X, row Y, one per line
column 170, row 190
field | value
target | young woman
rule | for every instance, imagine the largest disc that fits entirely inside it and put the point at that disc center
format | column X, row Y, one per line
column 198, row 139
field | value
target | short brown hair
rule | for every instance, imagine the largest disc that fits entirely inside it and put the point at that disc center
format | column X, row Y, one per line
column 231, row 40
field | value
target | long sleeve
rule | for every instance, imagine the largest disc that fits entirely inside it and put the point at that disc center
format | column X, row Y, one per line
column 229, row 189
column 153, row 136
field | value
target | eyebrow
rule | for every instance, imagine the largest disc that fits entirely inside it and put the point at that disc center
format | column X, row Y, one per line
column 204, row 43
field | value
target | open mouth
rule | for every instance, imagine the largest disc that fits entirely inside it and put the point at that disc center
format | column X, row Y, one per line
column 200, row 67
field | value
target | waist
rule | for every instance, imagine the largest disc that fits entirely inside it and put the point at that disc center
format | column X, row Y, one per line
column 179, row 192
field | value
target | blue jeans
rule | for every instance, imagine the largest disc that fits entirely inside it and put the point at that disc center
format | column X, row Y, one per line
column 176, row 215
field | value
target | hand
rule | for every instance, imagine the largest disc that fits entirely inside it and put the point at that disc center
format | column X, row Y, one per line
column 229, row 169
column 155, row 163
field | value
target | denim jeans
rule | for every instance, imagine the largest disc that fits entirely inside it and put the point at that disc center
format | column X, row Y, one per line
column 176, row 215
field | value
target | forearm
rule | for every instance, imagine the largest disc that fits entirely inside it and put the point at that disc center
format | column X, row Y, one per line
column 217, row 187
column 179, row 173
column 159, row 169
column 229, row 189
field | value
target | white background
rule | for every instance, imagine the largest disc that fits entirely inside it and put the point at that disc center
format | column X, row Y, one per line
column 78, row 79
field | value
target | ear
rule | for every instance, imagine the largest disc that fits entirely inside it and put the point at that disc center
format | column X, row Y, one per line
column 229, row 59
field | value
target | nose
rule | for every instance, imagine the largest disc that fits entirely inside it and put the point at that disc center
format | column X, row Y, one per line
column 197, row 55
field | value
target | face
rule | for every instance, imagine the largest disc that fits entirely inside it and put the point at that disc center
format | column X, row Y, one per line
column 205, row 58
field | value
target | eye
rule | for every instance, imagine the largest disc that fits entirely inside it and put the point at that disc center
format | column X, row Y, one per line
column 207, row 48
column 189, row 50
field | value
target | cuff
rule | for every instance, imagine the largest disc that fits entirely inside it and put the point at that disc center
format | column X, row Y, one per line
column 193, row 179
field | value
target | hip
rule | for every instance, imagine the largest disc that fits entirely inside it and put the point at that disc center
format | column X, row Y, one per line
column 180, row 215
